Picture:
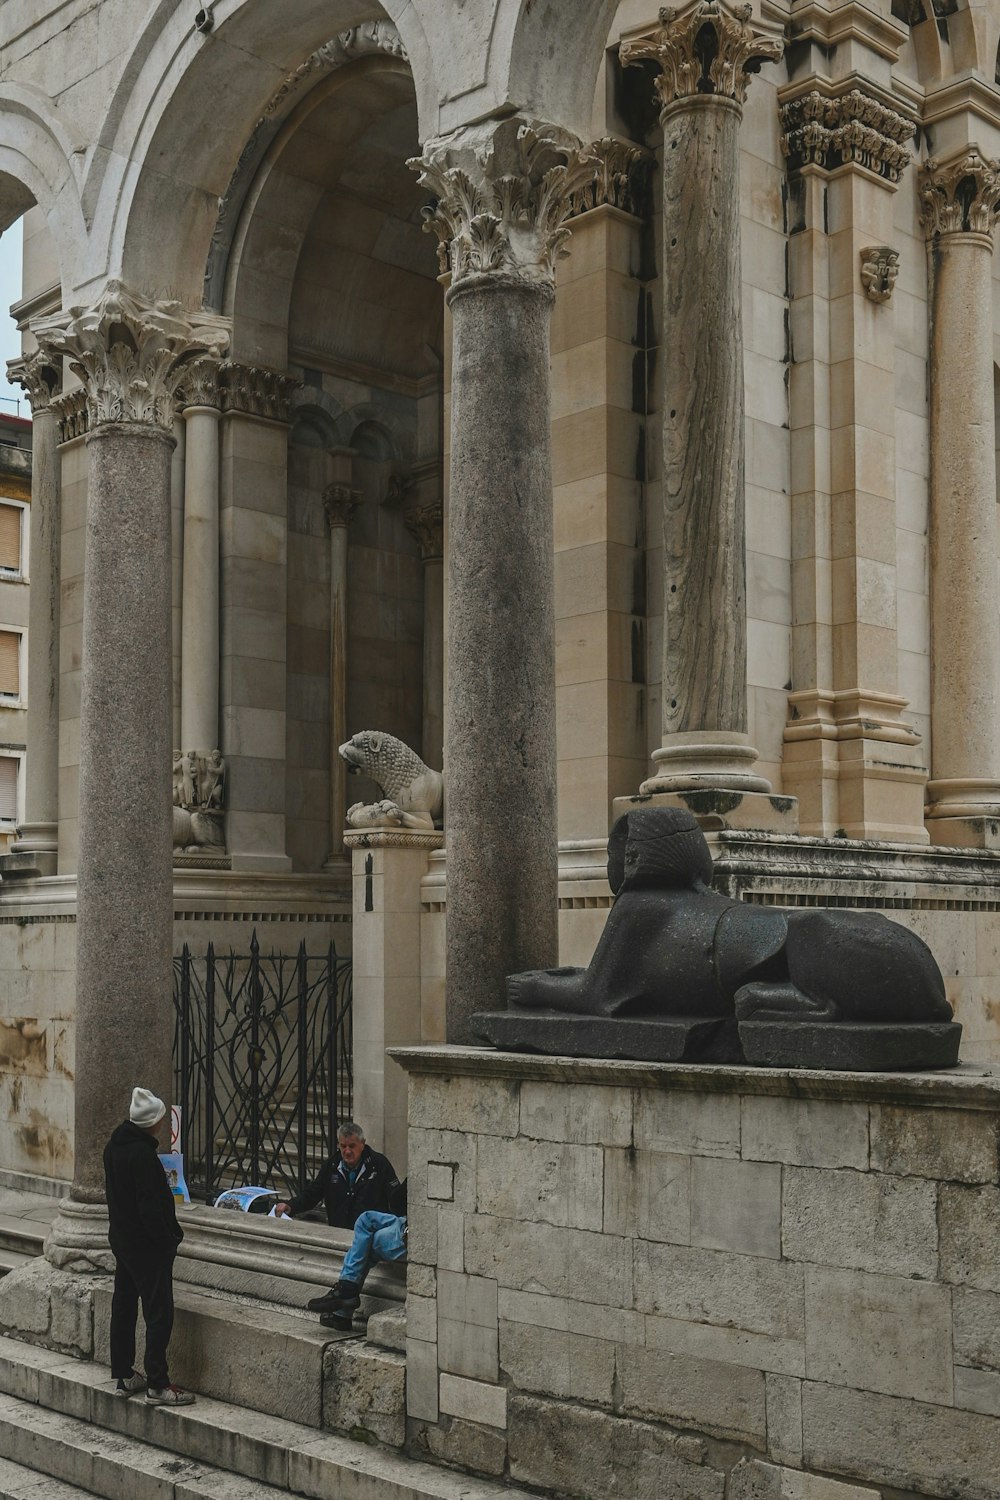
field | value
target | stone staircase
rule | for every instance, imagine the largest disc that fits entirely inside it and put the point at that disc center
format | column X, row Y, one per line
column 59, row 1419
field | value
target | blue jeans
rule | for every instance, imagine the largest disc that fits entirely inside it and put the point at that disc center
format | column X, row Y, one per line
column 376, row 1237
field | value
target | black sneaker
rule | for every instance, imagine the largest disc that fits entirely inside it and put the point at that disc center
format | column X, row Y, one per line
column 340, row 1319
column 323, row 1304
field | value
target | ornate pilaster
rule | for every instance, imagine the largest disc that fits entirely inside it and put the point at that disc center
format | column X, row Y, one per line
column 38, row 837
column 131, row 355
column 705, row 53
column 504, row 192
column 959, row 201
column 503, row 196
column 621, row 180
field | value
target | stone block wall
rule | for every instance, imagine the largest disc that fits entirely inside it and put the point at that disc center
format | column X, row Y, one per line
column 641, row 1280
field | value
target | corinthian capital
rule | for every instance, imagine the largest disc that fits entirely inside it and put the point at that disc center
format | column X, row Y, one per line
column 504, row 192
column 959, row 195
column 39, row 377
column 426, row 526
column 705, row 47
column 130, row 354
column 340, row 502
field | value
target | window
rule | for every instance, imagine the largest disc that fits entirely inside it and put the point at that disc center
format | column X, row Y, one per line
column 10, row 766
column 12, row 537
column 10, row 665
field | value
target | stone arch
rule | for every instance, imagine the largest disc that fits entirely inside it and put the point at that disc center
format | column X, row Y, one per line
column 552, row 53
column 953, row 39
column 185, row 108
column 35, row 168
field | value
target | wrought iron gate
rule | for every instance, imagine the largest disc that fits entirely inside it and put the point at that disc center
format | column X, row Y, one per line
column 262, row 1065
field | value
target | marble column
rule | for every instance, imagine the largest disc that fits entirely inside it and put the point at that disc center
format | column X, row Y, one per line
column 38, row 836
column 130, row 354
column 340, row 502
column 502, row 192
column 426, row 524
column 705, row 52
column 960, row 200
column 200, row 588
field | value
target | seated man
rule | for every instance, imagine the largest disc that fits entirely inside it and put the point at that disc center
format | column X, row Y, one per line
column 376, row 1237
column 355, row 1182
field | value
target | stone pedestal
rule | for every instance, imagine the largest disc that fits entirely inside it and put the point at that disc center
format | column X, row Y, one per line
column 130, row 354
column 38, row 835
column 499, row 242
column 960, row 200
column 705, row 53
column 387, row 868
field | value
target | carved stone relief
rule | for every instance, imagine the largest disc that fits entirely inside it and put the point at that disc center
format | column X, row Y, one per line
column 503, row 194
column 851, row 127
column 621, row 181
column 71, row 411
column 256, row 390
column 426, row 525
column 708, row 47
column 131, row 354
column 960, row 195
column 199, row 787
column 879, row 269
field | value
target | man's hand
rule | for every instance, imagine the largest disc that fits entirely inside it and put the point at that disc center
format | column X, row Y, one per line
column 281, row 1211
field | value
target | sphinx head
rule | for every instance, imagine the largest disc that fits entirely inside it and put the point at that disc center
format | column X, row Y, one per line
column 654, row 847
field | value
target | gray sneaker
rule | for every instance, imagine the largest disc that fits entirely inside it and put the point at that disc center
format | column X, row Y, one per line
column 130, row 1385
column 171, row 1395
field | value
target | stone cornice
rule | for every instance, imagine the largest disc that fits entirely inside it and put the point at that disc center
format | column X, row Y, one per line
column 968, row 94
column 39, row 377
column 504, row 191
column 961, row 195
column 426, row 525
column 813, row 21
column 255, row 390
column 836, row 125
column 690, row 67
column 130, row 353
column 621, row 181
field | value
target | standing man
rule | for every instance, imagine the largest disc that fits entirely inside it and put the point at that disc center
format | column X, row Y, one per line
column 357, row 1180
column 144, row 1235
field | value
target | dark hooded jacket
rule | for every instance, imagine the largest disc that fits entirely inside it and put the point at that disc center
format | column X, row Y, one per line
column 140, row 1203
column 375, row 1186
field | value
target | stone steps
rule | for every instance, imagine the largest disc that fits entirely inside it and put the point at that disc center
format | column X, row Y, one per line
column 20, row 1241
column 59, row 1417
column 19, row 1483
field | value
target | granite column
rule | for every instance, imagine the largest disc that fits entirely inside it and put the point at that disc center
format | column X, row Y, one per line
column 960, row 200
column 503, row 192
column 38, row 836
column 706, row 52
column 130, row 354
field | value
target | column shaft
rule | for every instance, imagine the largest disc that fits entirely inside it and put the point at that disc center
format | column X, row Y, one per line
column 338, row 686
column 501, row 808
column 39, row 835
column 965, row 587
column 124, row 901
column 433, row 718
column 200, row 625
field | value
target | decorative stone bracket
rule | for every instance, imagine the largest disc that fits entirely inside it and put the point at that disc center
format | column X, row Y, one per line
column 852, row 127
column 879, row 269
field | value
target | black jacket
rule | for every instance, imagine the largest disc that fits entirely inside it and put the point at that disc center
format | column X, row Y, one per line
column 140, row 1203
column 375, row 1186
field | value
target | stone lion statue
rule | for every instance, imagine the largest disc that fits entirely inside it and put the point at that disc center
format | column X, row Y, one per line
column 413, row 794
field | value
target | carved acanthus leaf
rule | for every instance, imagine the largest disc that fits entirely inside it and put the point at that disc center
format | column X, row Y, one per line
column 707, row 47
column 960, row 195
column 852, row 127
column 38, row 376
column 621, row 179
column 71, row 411
column 131, row 354
column 256, row 390
column 426, row 525
column 200, row 386
column 504, row 192
column 339, row 504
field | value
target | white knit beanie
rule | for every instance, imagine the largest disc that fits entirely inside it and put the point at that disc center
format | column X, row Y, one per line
column 146, row 1110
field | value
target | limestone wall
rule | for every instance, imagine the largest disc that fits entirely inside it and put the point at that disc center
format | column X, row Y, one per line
column 641, row 1280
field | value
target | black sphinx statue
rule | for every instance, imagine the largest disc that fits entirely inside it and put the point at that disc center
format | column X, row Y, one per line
column 684, row 974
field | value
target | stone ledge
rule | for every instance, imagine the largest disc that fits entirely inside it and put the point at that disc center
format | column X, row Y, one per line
column 966, row 1087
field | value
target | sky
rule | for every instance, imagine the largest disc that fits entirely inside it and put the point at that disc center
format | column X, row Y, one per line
column 10, row 339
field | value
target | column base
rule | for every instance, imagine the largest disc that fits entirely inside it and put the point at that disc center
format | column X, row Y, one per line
column 717, row 807
column 40, row 841
column 78, row 1239
column 718, row 759
column 964, row 813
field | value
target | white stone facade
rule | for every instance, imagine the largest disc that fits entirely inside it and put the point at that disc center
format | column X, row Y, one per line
column 256, row 174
